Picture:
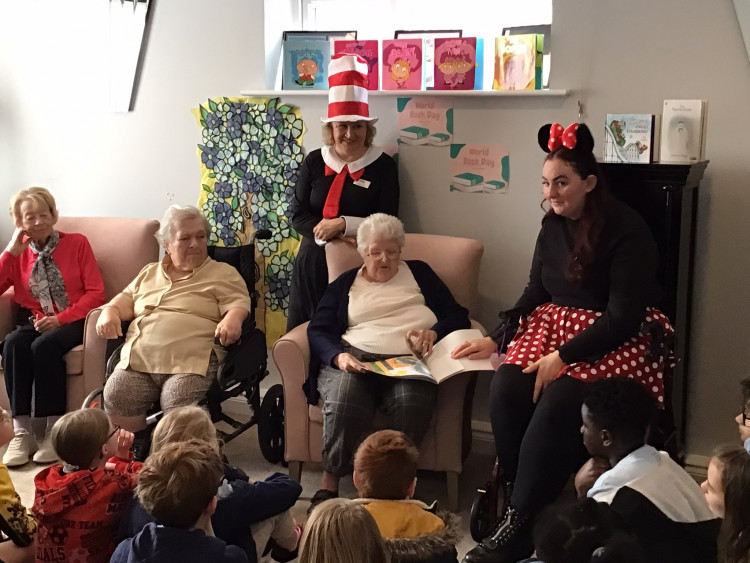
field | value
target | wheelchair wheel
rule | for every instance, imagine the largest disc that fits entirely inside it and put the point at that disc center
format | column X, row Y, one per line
column 271, row 425
column 483, row 515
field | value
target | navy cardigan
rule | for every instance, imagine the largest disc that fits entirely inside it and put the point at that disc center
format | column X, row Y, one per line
column 329, row 322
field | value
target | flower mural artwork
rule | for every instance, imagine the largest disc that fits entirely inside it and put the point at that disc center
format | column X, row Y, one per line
column 250, row 152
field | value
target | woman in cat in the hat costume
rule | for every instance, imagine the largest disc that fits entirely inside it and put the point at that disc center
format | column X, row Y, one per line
column 338, row 185
column 592, row 285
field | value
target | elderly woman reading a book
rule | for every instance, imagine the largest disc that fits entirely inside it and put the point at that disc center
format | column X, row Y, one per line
column 386, row 308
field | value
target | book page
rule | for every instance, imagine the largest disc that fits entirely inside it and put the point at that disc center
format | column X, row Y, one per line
column 440, row 363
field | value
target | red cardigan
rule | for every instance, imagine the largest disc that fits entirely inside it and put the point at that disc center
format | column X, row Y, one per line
column 79, row 270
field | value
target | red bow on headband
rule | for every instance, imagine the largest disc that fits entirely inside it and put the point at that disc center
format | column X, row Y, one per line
column 562, row 138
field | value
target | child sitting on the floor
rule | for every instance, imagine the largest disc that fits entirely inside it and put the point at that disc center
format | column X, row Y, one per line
column 586, row 532
column 727, row 490
column 177, row 486
column 15, row 522
column 78, row 504
column 251, row 514
column 656, row 500
column 341, row 531
column 385, row 475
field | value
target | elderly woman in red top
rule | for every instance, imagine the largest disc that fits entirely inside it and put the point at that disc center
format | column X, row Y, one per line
column 56, row 281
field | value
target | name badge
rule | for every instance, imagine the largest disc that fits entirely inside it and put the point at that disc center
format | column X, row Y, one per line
column 362, row 183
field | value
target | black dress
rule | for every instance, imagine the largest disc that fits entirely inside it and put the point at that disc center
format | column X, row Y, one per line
column 310, row 274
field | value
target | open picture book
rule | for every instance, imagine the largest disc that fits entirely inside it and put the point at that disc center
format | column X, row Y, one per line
column 438, row 365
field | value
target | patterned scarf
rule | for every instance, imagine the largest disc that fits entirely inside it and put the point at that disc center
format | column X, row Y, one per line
column 46, row 282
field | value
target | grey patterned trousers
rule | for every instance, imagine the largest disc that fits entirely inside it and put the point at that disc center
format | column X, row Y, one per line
column 350, row 401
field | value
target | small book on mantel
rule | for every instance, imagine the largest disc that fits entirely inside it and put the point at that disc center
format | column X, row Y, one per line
column 631, row 137
column 438, row 365
column 683, row 132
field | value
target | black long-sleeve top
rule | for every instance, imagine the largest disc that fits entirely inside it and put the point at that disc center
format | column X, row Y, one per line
column 621, row 281
column 312, row 188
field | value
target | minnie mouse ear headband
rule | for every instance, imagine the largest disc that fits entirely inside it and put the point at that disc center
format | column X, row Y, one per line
column 575, row 136
column 347, row 90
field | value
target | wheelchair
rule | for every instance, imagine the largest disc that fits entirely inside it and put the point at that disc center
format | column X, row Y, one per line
column 663, row 436
column 239, row 375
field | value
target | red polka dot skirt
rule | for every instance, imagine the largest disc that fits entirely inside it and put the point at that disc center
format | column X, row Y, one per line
column 550, row 326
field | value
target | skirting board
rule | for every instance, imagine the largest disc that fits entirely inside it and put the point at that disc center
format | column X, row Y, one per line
column 483, row 443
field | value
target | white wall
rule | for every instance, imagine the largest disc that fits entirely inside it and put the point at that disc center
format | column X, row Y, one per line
column 618, row 57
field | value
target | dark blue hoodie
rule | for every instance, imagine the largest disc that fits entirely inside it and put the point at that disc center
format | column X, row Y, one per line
column 156, row 544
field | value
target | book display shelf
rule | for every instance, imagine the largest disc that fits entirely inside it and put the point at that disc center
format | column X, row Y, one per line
column 402, row 93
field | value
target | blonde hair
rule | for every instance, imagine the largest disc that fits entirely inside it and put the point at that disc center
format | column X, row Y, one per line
column 38, row 196
column 379, row 226
column 342, row 531
column 369, row 134
column 173, row 216
column 182, row 424
column 177, row 483
column 78, row 437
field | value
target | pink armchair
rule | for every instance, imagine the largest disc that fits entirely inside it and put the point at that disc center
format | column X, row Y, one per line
column 122, row 247
column 456, row 261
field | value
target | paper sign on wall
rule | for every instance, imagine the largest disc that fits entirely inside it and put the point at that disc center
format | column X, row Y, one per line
column 425, row 120
column 479, row 168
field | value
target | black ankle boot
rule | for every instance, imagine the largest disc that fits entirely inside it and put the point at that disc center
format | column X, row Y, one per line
column 141, row 444
column 509, row 541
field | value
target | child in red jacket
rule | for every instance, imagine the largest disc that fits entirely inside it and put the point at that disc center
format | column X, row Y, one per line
column 78, row 504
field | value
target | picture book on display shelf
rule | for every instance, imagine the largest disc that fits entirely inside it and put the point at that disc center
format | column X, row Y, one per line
column 438, row 365
column 402, row 64
column 518, row 62
column 683, row 131
column 632, row 137
column 368, row 50
column 306, row 64
column 456, row 63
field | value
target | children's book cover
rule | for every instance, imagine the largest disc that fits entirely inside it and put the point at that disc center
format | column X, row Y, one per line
column 368, row 50
column 425, row 120
column 402, row 64
column 683, row 132
column 306, row 64
column 479, row 168
column 455, row 63
column 518, row 62
column 631, row 137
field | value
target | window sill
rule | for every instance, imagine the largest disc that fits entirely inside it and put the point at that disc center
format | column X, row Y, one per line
column 401, row 93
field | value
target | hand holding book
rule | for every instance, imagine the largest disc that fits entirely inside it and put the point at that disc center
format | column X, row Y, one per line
column 420, row 342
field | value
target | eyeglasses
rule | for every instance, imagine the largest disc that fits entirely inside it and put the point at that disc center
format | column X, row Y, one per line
column 390, row 254
column 115, row 431
column 745, row 416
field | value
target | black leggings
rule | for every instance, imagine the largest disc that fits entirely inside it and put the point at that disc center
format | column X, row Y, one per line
column 539, row 445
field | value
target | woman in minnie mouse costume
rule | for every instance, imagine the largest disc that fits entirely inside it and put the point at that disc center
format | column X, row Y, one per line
column 592, row 284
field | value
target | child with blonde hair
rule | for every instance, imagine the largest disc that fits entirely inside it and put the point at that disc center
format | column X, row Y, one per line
column 385, row 475
column 342, row 531
column 251, row 514
column 78, row 504
column 178, row 487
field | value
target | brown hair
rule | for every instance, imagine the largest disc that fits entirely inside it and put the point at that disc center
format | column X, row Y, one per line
column 183, row 424
column 39, row 196
column 386, row 465
column 734, row 536
column 78, row 437
column 341, row 531
column 178, row 482
column 369, row 135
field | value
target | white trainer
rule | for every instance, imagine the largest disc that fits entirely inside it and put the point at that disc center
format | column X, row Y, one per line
column 19, row 449
column 45, row 453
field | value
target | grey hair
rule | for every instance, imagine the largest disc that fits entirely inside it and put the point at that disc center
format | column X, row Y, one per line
column 173, row 216
column 379, row 226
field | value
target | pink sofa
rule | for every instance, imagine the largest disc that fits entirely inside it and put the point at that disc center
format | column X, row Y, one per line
column 122, row 247
column 456, row 261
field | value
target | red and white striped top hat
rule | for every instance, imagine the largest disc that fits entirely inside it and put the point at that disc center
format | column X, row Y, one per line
column 347, row 89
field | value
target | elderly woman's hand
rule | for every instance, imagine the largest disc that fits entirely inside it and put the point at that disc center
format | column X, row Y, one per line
column 17, row 244
column 477, row 349
column 109, row 324
column 420, row 341
column 45, row 324
column 329, row 228
column 228, row 330
column 347, row 362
